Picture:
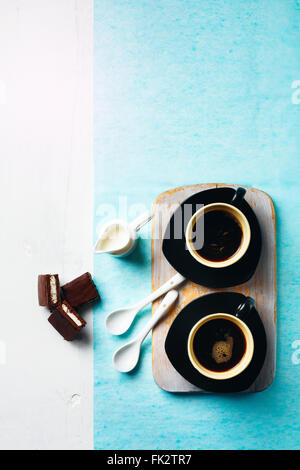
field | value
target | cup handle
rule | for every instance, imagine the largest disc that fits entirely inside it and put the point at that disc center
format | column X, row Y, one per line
column 238, row 196
column 244, row 309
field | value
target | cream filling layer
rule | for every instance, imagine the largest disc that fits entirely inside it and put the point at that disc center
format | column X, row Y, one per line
column 53, row 290
column 71, row 315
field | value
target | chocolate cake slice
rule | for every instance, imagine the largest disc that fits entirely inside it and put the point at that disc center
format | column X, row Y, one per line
column 49, row 290
column 80, row 291
column 66, row 321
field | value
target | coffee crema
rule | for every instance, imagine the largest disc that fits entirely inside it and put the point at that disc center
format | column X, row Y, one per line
column 222, row 235
column 219, row 345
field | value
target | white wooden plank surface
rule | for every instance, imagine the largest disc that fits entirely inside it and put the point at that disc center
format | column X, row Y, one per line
column 46, row 191
column 261, row 287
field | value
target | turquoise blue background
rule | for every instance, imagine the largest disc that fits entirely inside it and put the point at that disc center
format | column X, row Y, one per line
column 193, row 92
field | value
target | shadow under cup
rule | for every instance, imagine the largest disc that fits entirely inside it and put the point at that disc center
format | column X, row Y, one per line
column 216, row 227
column 220, row 346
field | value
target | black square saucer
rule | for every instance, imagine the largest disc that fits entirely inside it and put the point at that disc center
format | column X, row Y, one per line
column 177, row 339
column 183, row 262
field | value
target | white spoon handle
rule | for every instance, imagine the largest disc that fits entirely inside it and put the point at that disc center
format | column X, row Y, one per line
column 141, row 220
column 170, row 284
column 166, row 303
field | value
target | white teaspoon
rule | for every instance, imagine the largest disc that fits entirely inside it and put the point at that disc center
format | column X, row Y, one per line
column 126, row 358
column 118, row 321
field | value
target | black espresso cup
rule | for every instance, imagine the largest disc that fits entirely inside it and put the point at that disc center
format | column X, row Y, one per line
column 218, row 234
column 220, row 345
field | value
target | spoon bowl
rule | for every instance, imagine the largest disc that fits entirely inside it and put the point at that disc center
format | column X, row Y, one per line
column 118, row 321
column 126, row 358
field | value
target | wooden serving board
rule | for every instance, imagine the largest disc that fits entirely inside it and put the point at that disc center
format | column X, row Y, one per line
column 261, row 287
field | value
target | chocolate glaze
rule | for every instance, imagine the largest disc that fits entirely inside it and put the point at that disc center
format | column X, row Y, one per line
column 80, row 291
column 44, row 290
column 65, row 326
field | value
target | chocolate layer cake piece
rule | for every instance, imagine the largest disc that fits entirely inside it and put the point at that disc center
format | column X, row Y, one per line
column 48, row 290
column 66, row 321
column 80, row 291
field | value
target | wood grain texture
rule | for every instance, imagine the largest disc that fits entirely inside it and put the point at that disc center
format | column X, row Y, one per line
column 261, row 287
column 46, row 189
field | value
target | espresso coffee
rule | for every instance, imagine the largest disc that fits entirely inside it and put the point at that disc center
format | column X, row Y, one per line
column 222, row 235
column 219, row 345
